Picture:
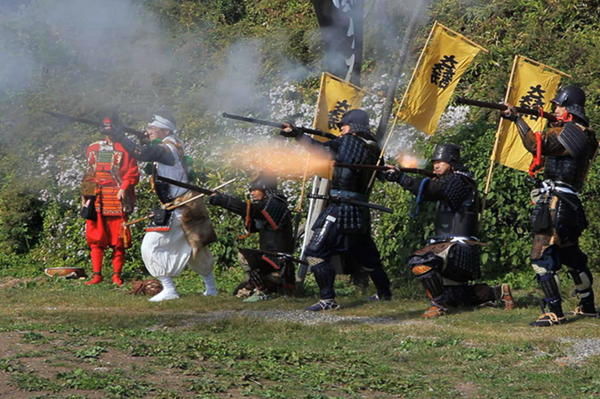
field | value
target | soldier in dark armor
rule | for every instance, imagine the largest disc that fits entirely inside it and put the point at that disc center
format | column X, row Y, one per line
column 268, row 269
column 569, row 146
column 343, row 227
column 451, row 259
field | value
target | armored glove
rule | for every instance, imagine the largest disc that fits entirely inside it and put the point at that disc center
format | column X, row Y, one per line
column 115, row 133
column 394, row 175
column 512, row 114
column 218, row 199
column 293, row 133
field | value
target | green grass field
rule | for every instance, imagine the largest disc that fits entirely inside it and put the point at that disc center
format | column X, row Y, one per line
column 61, row 339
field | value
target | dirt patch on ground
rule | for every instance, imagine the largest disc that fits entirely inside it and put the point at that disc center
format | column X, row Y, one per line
column 296, row 316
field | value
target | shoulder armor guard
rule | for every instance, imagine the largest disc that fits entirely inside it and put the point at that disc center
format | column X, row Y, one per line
column 574, row 138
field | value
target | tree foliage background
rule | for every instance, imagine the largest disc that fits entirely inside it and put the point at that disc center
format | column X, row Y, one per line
column 264, row 58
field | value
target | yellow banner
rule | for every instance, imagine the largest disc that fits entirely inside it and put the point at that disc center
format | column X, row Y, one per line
column 336, row 97
column 533, row 85
column 445, row 58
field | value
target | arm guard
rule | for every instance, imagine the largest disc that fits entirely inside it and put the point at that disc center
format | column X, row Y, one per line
column 145, row 153
column 434, row 189
column 551, row 146
column 230, row 203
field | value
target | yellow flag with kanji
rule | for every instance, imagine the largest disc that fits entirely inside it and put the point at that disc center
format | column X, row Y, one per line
column 336, row 97
column 533, row 85
column 445, row 58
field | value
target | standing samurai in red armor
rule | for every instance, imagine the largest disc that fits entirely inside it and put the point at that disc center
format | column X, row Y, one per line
column 108, row 188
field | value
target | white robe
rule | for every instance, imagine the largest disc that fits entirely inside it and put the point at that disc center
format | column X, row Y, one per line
column 166, row 253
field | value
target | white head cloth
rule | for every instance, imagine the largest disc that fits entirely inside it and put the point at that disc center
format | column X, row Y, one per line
column 163, row 123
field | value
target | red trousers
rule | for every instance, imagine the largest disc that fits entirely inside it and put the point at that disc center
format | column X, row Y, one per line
column 107, row 231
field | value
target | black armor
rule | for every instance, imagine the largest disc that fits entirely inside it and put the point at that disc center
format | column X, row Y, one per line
column 571, row 169
column 353, row 149
column 458, row 214
column 559, row 218
column 452, row 260
column 271, row 219
column 344, row 228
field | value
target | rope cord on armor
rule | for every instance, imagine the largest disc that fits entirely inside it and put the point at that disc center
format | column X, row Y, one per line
column 419, row 198
column 565, row 118
column 247, row 222
column 537, row 164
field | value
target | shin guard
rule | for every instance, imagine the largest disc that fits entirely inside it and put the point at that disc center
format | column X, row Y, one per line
column 432, row 282
column 325, row 276
column 256, row 278
column 549, row 283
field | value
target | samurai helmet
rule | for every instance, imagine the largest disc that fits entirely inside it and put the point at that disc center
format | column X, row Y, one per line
column 265, row 181
column 573, row 99
column 357, row 119
column 449, row 153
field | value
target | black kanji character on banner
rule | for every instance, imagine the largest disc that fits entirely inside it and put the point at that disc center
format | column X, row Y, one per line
column 443, row 72
column 533, row 99
column 335, row 115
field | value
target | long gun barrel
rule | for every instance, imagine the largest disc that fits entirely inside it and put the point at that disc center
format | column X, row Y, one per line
column 175, row 204
column 139, row 134
column 189, row 186
column 278, row 125
column 503, row 107
column 423, row 172
column 285, row 256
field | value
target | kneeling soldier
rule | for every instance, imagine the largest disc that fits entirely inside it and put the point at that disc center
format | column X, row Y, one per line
column 446, row 266
column 268, row 269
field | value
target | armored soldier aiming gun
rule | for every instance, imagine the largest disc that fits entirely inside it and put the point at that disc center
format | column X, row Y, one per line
column 279, row 125
column 137, row 133
column 503, row 107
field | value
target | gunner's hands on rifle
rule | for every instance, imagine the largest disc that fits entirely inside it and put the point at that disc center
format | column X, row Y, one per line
column 112, row 131
column 510, row 113
column 394, row 174
column 217, row 199
column 290, row 131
